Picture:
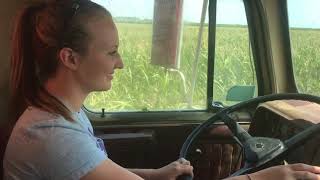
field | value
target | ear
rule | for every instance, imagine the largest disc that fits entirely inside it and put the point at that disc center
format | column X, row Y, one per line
column 69, row 58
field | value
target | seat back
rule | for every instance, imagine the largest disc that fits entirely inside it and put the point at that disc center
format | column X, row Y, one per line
column 4, row 136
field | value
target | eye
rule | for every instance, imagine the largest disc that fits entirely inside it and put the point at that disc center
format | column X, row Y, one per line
column 113, row 53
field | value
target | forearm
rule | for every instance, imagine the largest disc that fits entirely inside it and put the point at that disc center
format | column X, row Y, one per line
column 150, row 174
column 146, row 174
column 243, row 177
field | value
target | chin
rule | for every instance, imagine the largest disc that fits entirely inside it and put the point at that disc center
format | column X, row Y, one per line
column 103, row 87
column 106, row 88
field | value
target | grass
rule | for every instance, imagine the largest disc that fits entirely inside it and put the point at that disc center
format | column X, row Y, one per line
column 142, row 86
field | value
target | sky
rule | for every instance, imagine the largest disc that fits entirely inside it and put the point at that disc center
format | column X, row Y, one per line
column 302, row 13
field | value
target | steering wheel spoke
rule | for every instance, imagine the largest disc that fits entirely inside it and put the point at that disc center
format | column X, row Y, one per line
column 241, row 134
column 301, row 137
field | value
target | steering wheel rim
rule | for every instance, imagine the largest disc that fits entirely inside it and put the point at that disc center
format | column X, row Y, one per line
column 284, row 96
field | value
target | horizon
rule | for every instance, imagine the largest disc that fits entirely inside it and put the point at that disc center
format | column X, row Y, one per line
column 308, row 17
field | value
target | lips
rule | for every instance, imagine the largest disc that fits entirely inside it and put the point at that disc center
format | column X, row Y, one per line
column 110, row 76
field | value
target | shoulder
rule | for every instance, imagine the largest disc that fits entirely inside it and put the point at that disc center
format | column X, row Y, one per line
column 54, row 146
column 37, row 129
column 37, row 124
column 50, row 129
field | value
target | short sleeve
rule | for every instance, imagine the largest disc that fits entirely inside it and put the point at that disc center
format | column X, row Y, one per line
column 72, row 153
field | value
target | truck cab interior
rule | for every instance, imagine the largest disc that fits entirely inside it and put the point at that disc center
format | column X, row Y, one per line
column 231, row 85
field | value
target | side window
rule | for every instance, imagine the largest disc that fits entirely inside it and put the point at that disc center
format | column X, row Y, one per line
column 304, row 23
column 234, row 73
column 163, row 44
column 159, row 45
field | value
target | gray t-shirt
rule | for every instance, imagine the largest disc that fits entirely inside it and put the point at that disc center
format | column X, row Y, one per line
column 47, row 146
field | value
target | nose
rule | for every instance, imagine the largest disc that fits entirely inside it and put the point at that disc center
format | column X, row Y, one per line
column 119, row 64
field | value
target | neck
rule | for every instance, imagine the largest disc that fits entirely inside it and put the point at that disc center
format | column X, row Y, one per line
column 67, row 91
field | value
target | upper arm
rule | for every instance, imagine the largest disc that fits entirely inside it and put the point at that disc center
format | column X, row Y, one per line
column 71, row 154
column 108, row 170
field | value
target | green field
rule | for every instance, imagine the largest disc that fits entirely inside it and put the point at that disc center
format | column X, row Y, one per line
column 144, row 86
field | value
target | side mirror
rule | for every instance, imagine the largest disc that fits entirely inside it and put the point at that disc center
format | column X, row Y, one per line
column 240, row 93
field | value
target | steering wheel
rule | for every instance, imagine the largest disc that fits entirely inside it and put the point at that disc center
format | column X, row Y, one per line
column 258, row 151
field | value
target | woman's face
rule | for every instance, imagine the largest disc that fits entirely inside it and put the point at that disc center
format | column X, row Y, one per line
column 97, row 66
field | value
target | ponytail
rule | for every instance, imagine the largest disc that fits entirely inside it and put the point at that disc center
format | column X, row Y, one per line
column 24, row 84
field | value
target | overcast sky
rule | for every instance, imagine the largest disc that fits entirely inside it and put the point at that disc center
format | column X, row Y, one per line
column 302, row 13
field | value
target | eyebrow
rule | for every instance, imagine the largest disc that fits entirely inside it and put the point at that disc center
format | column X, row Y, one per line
column 107, row 46
column 115, row 46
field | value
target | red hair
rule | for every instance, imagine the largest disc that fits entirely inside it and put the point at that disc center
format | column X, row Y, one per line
column 41, row 30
